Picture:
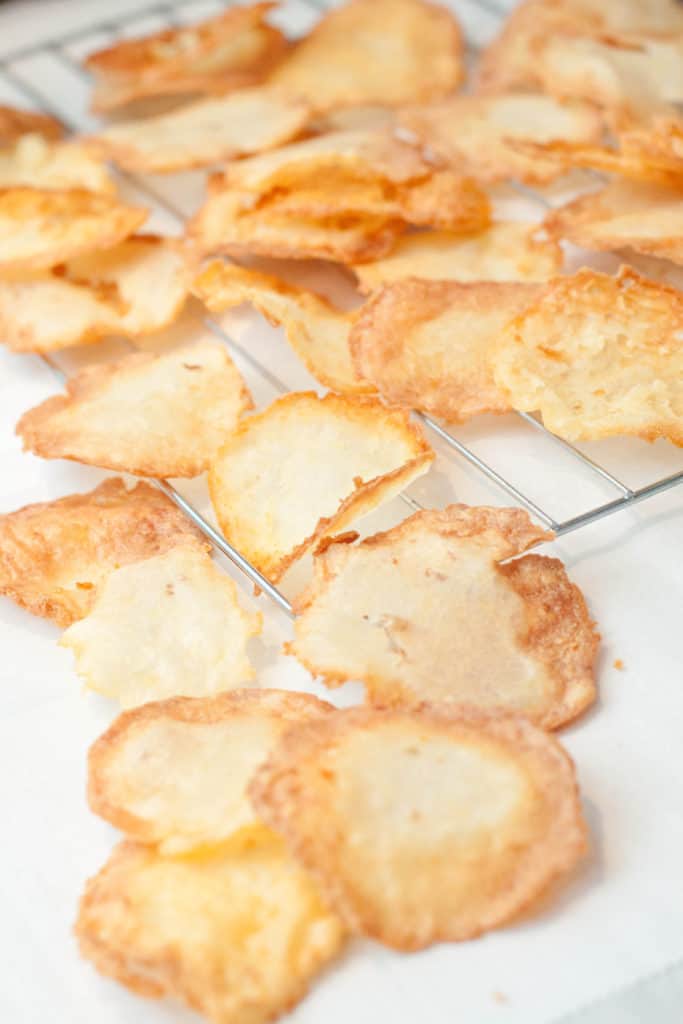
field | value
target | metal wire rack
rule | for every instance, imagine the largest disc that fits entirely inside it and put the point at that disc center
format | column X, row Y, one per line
column 36, row 95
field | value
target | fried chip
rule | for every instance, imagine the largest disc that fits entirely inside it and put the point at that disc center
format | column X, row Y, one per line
column 505, row 251
column 598, row 356
column 229, row 223
column 235, row 49
column 168, row 626
column 424, row 612
column 235, row 931
column 39, row 228
column 154, row 415
column 647, row 218
column 475, row 133
column 35, row 162
column 175, row 773
column 425, row 826
column 14, row 123
column 54, row 556
column 427, row 345
column 316, row 330
column 136, row 287
column 384, row 52
column 203, row 133
column 306, row 468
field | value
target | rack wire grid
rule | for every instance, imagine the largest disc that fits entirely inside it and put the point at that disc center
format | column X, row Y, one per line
column 20, row 78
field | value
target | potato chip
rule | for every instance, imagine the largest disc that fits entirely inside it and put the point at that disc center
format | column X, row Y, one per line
column 35, row 162
column 175, row 773
column 14, row 123
column 661, row 168
column 386, row 52
column 426, row 826
column 598, row 356
column 203, row 133
column 316, row 330
column 647, row 218
column 54, row 556
column 235, row 49
column 354, row 118
column 41, row 228
column 154, row 415
column 427, row 345
column 235, row 931
column 424, row 612
column 137, row 287
column 505, row 251
column 230, row 223
column 167, row 626
column 475, row 132
column 306, row 468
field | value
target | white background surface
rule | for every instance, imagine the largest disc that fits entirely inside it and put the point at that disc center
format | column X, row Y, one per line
column 619, row 920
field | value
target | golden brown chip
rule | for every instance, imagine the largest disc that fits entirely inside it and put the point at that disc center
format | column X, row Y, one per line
column 237, row 931
column 598, row 356
column 40, row 228
column 306, row 468
column 505, row 251
column 54, row 556
column 316, row 330
column 175, row 773
column 633, row 164
column 154, row 415
column 14, row 123
column 647, row 218
column 203, row 133
column 235, row 49
column 427, row 345
column 475, row 133
column 386, row 52
column 136, row 287
column 38, row 163
column 424, row 826
column 424, row 612
column 168, row 626
column 229, row 223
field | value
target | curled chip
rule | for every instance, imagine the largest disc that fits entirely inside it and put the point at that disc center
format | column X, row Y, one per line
column 647, row 218
column 54, row 556
column 176, row 772
column 38, row 163
column 385, row 52
column 154, row 415
column 40, row 228
column 598, row 356
column 424, row 826
column 167, row 626
column 427, row 345
column 203, row 133
column 306, row 468
column 230, row 223
column 137, row 287
column 236, row 931
column 234, row 49
column 505, row 251
column 424, row 612
column 316, row 330
column 14, row 123
column 477, row 133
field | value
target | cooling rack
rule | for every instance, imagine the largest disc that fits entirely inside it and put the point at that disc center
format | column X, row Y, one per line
column 31, row 89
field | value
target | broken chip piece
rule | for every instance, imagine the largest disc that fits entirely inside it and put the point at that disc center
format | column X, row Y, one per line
column 41, row 228
column 236, row 931
column 306, row 468
column 175, row 772
column 598, row 356
column 36, row 162
column 15, row 122
column 424, row 612
column 424, row 826
column 384, row 52
column 316, row 330
column 167, row 626
column 54, row 556
column 427, row 345
column 153, row 415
